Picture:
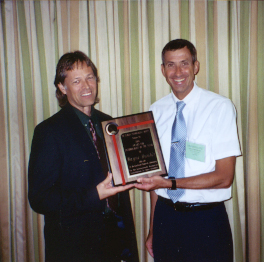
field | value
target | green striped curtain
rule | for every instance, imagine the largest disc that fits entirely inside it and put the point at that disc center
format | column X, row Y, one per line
column 124, row 39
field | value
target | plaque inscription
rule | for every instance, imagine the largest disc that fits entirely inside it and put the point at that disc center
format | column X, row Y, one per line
column 140, row 152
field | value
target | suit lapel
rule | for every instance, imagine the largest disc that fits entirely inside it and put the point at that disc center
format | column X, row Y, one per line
column 78, row 130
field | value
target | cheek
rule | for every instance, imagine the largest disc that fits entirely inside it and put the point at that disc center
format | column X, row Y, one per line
column 95, row 89
column 168, row 74
column 72, row 94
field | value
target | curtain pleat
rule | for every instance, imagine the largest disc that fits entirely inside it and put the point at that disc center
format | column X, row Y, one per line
column 13, row 81
column 5, row 222
column 210, row 67
column 144, row 65
column 112, row 66
column 125, row 39
column 160, row 39
column 253, row 169
column 239, row 185
column 260, row 84
column 200, row 23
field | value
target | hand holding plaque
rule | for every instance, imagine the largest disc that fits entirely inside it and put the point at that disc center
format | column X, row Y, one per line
column 133, row 147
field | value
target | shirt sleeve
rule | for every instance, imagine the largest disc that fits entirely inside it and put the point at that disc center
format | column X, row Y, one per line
column 225, row 137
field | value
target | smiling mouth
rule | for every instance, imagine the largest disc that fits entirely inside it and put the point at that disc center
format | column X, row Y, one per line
column 179, row 80
column 87, row 94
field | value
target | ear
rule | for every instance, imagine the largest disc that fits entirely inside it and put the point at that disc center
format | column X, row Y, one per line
column 196, row 67
column 62, row 89
column 163, row 69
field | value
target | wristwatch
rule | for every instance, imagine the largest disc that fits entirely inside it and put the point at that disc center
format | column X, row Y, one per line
column 173, row 181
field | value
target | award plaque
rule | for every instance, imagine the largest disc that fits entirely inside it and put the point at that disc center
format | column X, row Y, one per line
column 133, row 148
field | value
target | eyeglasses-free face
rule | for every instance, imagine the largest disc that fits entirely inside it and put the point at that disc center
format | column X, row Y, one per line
column 179, row 71
column 80, row 86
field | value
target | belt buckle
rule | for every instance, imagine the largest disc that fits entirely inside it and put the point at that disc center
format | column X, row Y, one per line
column 178, row 207
column 183, row 207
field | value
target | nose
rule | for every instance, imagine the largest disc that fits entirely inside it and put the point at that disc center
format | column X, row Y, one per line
column 177, row 70
column 86, row 84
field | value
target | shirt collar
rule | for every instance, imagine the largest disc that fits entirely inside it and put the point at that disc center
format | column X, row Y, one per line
column 83, row 117
column 190, row 97
column 94, row 117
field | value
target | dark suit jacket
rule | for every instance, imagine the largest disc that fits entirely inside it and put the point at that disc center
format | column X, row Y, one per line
column 64, row 171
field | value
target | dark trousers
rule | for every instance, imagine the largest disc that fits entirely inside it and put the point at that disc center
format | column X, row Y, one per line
column 79, row 241
column 195, row 236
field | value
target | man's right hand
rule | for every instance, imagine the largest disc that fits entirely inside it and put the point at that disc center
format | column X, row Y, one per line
column 149, row 243
column 152, row 183
column 106, row 189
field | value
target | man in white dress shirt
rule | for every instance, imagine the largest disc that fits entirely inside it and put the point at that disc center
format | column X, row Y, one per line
column 196, row 226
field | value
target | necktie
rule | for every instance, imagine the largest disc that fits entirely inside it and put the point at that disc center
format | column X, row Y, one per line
column 177, row 154
column 93, row 133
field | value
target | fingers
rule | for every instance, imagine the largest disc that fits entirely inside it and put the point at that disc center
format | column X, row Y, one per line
column 123, row 188
column 105, row 189
column 145, row 184
column 118, row 188
column 143, row 180
column 145, row 187
column 150, row 250
column 149, row 246
column 109, row 177
column 152, row 183
column 108, row 181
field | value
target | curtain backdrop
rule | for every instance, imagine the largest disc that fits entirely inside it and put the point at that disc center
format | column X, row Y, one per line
column 124, row 39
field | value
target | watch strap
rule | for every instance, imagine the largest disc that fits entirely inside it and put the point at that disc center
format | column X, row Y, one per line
column 174, row 185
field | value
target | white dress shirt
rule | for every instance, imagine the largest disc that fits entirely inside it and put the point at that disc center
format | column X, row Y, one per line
column 211, row 121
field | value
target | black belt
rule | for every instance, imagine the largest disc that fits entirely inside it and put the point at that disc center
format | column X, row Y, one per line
column 187, row 207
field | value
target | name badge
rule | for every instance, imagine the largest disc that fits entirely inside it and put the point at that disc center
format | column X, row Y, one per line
column 195, row 151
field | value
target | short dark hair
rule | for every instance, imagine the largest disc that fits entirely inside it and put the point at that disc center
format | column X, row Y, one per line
column 67, row 63
column 178, row 44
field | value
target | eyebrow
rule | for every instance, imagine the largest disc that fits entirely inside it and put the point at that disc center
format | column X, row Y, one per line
column 169, row 62
column 172, row 62
column 89, row 74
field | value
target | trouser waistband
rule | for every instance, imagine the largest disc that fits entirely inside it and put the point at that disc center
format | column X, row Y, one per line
column 188, row 207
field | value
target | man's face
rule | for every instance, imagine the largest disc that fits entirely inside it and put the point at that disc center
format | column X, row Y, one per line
column 179, row 71
column 80, row 86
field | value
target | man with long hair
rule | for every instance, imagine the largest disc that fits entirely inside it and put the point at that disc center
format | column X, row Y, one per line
column 69, row 182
